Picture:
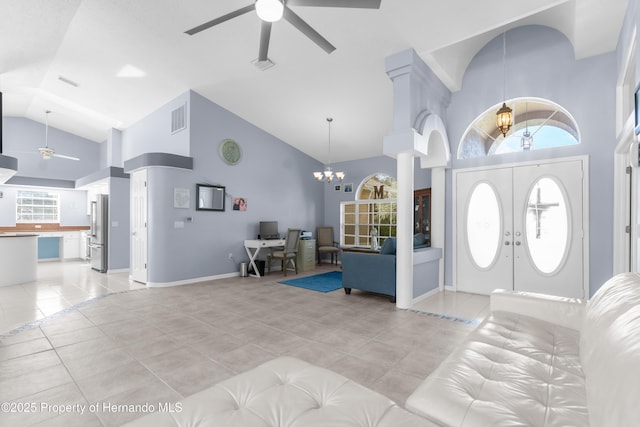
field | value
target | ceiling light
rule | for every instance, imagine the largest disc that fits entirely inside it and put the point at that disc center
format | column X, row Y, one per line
column 504, row 116
column 328, row 174
column 129, row 71
column 269, row 10
column 526, row 142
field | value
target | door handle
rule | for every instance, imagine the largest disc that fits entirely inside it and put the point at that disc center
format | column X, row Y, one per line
column 518, row 243
column 507, row 243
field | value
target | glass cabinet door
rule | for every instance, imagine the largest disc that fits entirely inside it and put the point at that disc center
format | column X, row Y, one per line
column 422, row 213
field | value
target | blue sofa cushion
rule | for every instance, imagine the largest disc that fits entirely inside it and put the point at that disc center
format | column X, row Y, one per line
column 388, row 246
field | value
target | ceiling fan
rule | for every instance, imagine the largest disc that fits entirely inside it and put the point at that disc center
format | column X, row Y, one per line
column 270, row 11
column 46, row 151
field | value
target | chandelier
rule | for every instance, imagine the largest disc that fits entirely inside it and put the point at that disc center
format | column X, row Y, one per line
column 504, row 116
column 328, row 175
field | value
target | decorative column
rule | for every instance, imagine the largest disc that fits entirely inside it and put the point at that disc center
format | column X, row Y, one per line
column 419, row 99
column 404, row 231
column 438, row 217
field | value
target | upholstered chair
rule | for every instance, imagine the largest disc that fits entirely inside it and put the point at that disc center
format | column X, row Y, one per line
column 326, row 244
column 288, row 253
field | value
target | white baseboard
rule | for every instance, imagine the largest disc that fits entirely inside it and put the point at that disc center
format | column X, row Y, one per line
column 190, row 281
column 425, row 296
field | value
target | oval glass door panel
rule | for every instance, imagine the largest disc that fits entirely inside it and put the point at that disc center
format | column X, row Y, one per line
column 483, row 225
column 547, row 225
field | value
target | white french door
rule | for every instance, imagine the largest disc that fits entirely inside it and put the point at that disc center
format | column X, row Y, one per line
column 521, row 228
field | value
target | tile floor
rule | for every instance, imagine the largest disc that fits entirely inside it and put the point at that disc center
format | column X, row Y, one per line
column 456, row 304
column 93, row 340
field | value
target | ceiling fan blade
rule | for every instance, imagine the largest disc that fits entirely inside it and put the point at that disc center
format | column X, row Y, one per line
column 65, row 157
column 361, row 4
column 265, row 35
column 220, row 20
column 306, row 29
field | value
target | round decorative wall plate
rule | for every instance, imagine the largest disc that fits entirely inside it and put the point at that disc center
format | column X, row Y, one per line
column 230, row 152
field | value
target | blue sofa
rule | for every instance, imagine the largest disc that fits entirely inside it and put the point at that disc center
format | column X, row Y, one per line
column 374, row 272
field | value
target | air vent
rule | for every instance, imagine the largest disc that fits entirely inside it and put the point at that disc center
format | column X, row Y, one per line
column 179, row 119
column 263, row 65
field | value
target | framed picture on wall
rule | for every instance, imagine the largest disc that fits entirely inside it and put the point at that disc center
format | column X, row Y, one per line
column 348, row 188
column 337, row 187
column 181, row 198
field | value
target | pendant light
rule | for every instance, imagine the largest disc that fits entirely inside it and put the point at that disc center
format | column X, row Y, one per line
column 328, row 174
column 526, row 142
column 504, row 116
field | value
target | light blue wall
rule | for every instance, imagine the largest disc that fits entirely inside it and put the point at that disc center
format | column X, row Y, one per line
column 540, row 63
column 119, row 224
column 153, row 133
column 273, row 177
column 73, row 206
column 22, row 137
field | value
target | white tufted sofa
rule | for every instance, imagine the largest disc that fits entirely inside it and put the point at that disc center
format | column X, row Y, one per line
column 286, row 392
column 544, row 361
column 537, row 360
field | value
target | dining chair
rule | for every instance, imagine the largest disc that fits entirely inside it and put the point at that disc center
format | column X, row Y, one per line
column 326, row 244
column 288, row 253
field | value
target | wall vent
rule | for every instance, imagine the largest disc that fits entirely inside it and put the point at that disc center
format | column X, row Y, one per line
column 179, row 119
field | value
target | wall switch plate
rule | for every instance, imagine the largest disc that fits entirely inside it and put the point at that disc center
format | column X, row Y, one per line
column 178, row 224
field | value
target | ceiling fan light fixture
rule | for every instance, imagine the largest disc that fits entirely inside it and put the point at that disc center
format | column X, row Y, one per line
column 269, row 10
column 46, row 152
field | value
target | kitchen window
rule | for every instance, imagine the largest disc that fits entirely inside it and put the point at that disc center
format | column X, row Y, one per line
column 37, row 206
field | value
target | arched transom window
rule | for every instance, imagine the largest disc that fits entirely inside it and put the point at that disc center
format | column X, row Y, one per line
column 378, row 186
column 537, row 124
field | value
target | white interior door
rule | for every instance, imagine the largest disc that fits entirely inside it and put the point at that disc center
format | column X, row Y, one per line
column 139, row 226
column 521, row 228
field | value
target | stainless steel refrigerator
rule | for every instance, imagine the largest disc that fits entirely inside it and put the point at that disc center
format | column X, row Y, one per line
column 99, row 228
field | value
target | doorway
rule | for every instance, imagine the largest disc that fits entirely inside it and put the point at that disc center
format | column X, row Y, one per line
column 522, row 228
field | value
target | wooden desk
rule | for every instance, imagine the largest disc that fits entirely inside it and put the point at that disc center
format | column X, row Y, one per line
column 253, row 249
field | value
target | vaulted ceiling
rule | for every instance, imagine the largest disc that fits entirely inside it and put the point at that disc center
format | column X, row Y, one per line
column 65, row 56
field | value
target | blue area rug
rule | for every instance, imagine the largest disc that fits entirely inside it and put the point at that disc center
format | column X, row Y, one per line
column 325, row 282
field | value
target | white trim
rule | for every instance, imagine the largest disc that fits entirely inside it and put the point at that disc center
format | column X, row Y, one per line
column 585, row 210
column 625, row 154
column 622, row 158
column 119, row 270
column 425, row 296
column 191, row 281
column 628, row 60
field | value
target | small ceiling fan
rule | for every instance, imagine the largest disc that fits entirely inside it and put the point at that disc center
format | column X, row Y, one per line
column 46, row 151
column 270, row 11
